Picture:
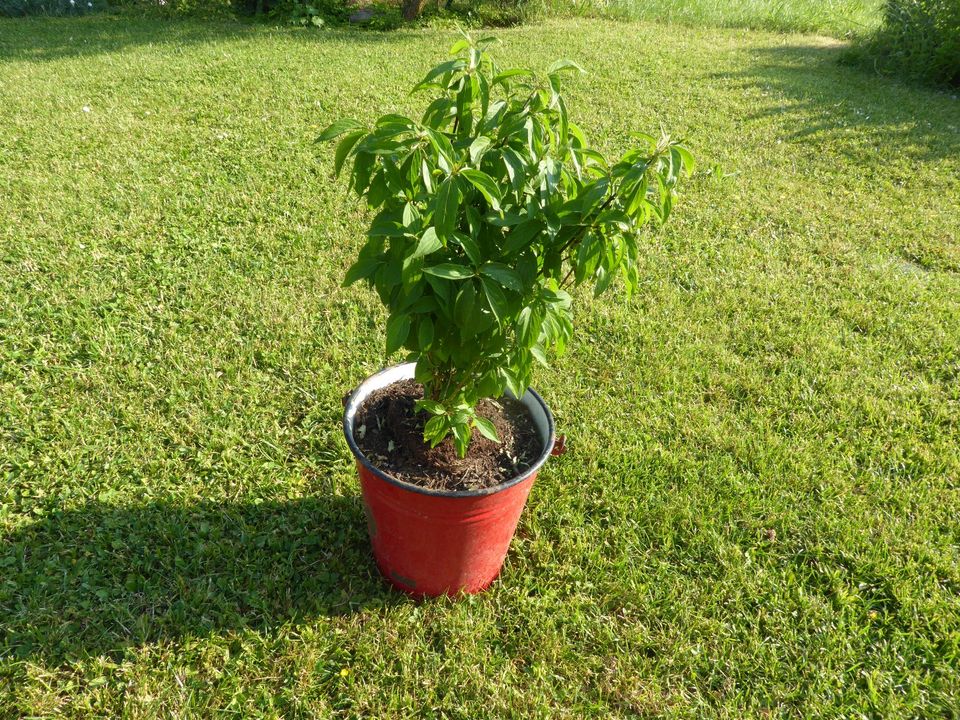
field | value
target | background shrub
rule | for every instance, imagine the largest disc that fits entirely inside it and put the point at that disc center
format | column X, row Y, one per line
column 173, row 8
column 18, row 8
column 307, row 12
column 919, row 39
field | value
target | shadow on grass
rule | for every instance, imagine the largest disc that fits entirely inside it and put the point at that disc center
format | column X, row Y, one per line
column 100, row 578
column 45, row 39
column 822, row 99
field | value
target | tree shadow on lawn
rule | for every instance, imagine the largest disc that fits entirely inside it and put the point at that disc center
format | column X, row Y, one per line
column 100, row 578
column 46, row 39
column 826, row 100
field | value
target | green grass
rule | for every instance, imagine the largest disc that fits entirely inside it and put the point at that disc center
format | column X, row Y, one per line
column 758, row 515
column 831, row 17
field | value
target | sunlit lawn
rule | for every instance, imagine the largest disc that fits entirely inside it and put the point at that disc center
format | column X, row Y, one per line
column 839, row 18
column 758, row 515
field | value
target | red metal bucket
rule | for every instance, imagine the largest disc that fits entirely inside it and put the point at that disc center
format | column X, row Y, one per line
column 431, row 542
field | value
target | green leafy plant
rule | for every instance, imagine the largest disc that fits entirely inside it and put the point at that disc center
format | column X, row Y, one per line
column 919, row 39
column 488, row 209
column 306, row 14
column 309, row 13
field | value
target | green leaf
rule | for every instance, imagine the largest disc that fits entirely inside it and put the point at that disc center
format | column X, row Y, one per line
column 461, row 438
column 492, row 115
column 410, row 214
column 513, row 383
column 438, row 113
column 478, row 147
column 561, row 65
column 485, row 184
column 378, row 191
column 470, row 247
column 395, row 121
column 443, row 147
column 426, row 176
column 512, row 73
column 423, row 305
column 398, row 328
column 428, row 243
column 689, row 164
column 362, row 170
column 521, row 235
column 484, row 93
column 527, row 267
column 496, row 298
column 376, row 145
column 588, row 255
column 463, row 308
column 465, row 101
column 343, row 150
column 431, row 406
column 516, row 168
column 449, row 271
column 425, row 333
column 410, row 297
column 593, row 195
column 362, row 268
column 436, row 429
column 459, row 46
column 386, row 228
column 490, row 385
column 528, row 326
column 338, row 128
column 539, row 355
column 503, row 219
column 554, row 102
column 504, row 275
column 445, row 208
column 486, row 428
column 550, row 172
column 443, row 68
column 603, row 282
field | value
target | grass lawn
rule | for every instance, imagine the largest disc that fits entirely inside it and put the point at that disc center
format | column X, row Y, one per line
column 759, row 515
column 834, row 17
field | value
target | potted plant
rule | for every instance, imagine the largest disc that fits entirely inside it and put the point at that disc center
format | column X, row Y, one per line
column 488, row 210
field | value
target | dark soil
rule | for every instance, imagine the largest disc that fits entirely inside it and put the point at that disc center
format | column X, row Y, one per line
column 390, row 434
